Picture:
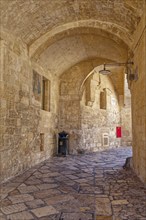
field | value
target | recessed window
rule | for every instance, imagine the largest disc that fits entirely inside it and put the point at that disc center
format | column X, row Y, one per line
column 45, row 94
column 37, row 86
column 42, row 142
column 103, row 103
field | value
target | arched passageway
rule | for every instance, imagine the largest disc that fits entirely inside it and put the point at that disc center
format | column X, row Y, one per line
column 45, row 58
column 92, row 106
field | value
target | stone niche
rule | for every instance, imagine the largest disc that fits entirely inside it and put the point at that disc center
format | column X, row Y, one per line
column 28, row 130
column 89, row 114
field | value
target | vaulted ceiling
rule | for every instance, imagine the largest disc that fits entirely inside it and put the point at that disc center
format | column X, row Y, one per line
column 61, row 33
column 30, row 19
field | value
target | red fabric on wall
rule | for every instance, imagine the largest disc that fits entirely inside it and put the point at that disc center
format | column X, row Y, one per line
column 118, row 132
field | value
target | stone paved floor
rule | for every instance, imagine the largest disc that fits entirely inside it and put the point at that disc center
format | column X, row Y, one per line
column 84, row 187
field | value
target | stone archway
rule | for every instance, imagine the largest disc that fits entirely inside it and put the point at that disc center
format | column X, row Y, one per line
column 82, row 113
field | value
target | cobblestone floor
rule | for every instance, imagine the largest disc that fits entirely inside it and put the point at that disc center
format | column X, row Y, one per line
column 84, row 187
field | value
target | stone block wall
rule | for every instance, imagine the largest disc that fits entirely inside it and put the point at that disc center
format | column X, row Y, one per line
column 21, row 116
column 97, row 121
column 126, row 125
column 138, row 91
column 126, row 121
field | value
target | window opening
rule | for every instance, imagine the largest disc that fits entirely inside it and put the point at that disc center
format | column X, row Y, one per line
column 45, row 94
column 103, row 98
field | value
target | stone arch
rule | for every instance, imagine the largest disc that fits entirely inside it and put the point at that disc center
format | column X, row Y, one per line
column 106, row 29
column 74, row 112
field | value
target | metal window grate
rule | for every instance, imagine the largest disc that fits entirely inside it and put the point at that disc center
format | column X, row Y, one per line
column 105, row 139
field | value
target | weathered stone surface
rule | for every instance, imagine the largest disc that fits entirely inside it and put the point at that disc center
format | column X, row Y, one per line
column 21, row 215
column 47, row 186
column 14, row 208
column 104, row 218
column 36, row 203
column 102, row 197
column 138, row 104
column 44, row 211
column 57, row 199
column 46, row 193
column 21, row 198
column 22, row 116
column 103, row 206
column 72, row 216
column 120, row 202
column 28, row 189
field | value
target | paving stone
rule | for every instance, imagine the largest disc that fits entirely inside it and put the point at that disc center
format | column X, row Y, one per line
column 81, row 180
column 33, row 182
column 67, row 172
column 85, row 209
column 47, row 186
column 87, row 189
column 57, row 199
column 21, row 198
column 48, row 180
column 104, row 218
column 68, row 206
column 36, row 203
column 5, row 190
column 14, row 192
column 20, row 216
column 13, row 208
column 70, row 183
column 44, row 211
column 103, row 206
column 44, row 170
column 81, row 184
column 77, row 216
column 72, row 177
column 85, row 200
column 46, row 193
column 27, row 189
column 67, row 189
column 120, row 202
column 5, row 202
column 84, row 175
column 23, row 184
column 53, row 174
column 52, row 217
column 2, row 216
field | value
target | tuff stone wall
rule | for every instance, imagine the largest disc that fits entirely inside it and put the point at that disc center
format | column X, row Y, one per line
column 126, row 121
column 138, row 91
column 96, row 122
column 80, row 113
column 22, row 119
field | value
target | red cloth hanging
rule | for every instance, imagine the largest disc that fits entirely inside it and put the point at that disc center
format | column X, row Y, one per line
column 118, row 132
